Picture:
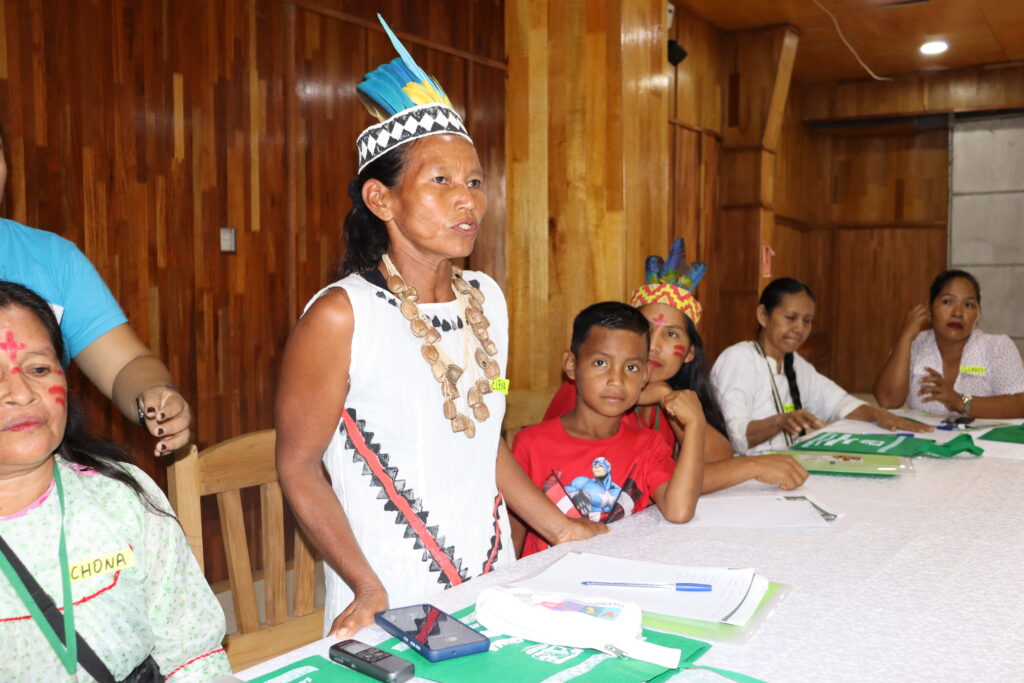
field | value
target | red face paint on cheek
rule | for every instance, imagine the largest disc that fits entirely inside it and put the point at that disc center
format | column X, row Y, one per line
column 679, row 351
column 60, row 394
column 59, row 371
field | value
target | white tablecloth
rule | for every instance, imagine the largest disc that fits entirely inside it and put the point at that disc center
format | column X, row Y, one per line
column 920, row 580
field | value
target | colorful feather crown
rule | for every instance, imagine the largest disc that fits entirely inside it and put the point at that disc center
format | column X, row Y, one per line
column 408, row 102
column 670, row 282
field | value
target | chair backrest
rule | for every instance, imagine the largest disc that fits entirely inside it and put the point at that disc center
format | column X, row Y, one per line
column 224, row 470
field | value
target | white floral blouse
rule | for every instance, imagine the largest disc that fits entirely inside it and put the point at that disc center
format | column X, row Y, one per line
column 136, row 585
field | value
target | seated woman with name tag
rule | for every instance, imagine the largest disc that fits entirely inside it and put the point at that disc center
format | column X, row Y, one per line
column 952, row 366
column 97, row 581
column 769, row 394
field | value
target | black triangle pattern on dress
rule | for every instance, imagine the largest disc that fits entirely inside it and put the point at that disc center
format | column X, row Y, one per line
column 407, row 493
column 496, row 543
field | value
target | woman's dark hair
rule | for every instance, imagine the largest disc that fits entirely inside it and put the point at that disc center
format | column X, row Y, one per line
column 78, row 446
column 694, row 376
column 945, row 277
column 366, row 237
column 771, row 297
column 613, row 315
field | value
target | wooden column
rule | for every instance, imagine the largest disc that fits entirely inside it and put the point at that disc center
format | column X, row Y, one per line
column 759, row 64
column 587, row 154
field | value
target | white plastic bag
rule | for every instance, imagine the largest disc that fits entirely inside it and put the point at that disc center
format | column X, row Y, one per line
column 611, row 626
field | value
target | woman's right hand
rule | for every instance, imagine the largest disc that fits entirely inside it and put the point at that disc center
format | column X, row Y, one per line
column 359, row 612
column 799, row 421
column 917, row 319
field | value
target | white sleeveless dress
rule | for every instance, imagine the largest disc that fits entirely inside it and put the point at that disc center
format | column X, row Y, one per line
column 421, row 499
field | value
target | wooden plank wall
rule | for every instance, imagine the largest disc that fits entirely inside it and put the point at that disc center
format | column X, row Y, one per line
column 588, row 166
column 138, row 128
column 695, row 141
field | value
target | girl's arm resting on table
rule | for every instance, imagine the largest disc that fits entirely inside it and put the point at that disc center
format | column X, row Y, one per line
column 310, row 397
column 770, row 468
column 535, row 509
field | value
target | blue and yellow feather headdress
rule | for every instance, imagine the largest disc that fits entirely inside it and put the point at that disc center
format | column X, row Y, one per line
column 408, row 102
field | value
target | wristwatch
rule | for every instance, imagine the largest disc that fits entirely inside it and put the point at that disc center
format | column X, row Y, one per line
column 967, row 399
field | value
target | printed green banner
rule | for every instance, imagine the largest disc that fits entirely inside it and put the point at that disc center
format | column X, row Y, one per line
column 510, row 660
column 888, row 444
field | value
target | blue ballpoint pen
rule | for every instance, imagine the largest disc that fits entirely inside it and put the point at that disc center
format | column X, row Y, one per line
column 686, row 587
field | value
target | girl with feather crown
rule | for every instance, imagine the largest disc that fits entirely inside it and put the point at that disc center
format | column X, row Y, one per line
column 404, row 348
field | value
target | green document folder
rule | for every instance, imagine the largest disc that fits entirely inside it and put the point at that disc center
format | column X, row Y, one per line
column 1014, row 434
column 856, row 464
column 510, row 660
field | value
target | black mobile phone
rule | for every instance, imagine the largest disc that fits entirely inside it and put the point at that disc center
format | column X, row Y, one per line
column 432, row 633
column 371, row 662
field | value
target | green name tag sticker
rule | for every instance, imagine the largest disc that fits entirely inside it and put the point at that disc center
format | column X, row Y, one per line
column 972, row 369
column 788, row 408
column 500, row 385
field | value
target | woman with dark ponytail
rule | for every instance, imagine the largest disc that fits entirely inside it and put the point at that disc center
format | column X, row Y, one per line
column 770, row 395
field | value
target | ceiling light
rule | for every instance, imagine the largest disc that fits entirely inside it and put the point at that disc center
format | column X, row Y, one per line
column 934, row 47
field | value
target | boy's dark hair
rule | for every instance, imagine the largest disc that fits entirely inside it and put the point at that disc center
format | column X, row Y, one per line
column 613, row 315
column 694, row 376
column 945, row 277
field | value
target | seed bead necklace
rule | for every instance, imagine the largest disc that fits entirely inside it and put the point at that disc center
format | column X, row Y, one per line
column 445, row 371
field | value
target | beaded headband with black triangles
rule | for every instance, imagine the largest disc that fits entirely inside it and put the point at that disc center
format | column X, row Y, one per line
column 408, row 103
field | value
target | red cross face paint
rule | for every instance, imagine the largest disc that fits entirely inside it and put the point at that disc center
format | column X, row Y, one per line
column 670, row 344
column 33, row 393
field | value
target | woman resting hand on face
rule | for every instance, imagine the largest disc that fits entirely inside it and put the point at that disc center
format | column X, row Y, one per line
column 94, row 532
column 770, row 395
column 952, row 366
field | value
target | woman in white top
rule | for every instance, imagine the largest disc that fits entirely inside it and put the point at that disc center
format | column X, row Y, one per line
column 386, row 380
column 953, row 365
column 769, row 393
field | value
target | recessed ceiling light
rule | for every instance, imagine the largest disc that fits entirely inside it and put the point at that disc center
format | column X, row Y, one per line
column 934, row 47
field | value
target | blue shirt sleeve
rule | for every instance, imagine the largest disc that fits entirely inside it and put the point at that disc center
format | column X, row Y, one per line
column 90, row 310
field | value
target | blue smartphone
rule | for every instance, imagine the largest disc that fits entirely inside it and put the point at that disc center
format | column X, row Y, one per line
column 432, row 633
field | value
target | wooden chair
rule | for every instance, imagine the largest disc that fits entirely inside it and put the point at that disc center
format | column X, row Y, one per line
column 224, row 470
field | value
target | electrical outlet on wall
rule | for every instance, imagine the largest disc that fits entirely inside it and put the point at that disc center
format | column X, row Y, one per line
column 227, row 241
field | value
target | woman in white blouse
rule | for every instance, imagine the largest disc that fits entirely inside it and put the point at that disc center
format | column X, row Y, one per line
column 769, row 393
column 952, row 365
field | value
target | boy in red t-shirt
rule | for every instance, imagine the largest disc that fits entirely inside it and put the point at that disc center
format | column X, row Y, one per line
column 588, row 462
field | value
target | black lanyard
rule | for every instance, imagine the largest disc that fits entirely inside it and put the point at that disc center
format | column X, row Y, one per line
column 779, row 408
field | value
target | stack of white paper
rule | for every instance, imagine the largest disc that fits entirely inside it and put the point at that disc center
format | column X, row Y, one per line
column 762, row 512
column 733, row 598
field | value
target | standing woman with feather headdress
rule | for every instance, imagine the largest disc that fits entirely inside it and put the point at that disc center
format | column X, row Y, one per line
column 404, row 349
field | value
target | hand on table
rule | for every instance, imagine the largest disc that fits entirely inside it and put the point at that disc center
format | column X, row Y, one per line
column 935, row 387
column 799, row 421
column 895, row 423
column 359, row 612
column 167, row 417
column 776, row 468
column 579, row 529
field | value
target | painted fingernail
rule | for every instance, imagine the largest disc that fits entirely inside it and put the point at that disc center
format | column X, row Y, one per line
column 163, row 415
column 160, row 431
column 150, row 411
column 163, row 447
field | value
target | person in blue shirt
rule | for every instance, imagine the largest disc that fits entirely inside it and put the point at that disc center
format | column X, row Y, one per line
column 96, row 332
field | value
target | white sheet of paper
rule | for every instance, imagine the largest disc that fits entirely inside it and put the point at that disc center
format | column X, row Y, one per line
column 725, row 602
column 760, row 512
